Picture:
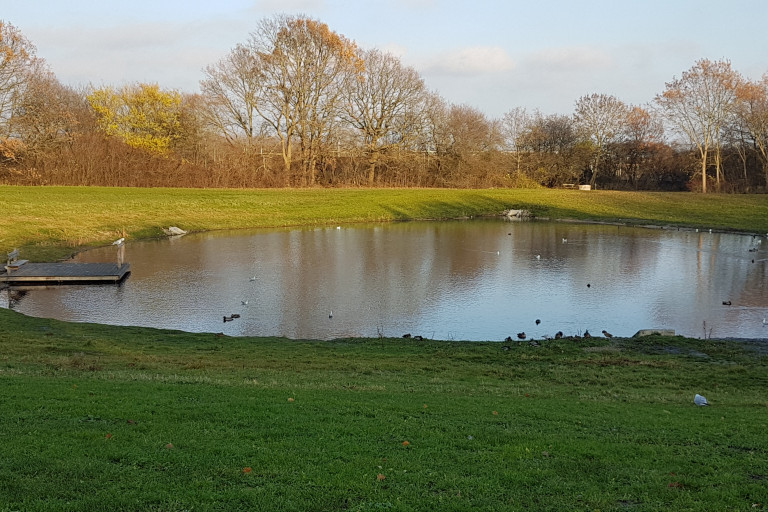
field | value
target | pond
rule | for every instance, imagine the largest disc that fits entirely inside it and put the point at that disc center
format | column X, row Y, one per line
column 459, row 280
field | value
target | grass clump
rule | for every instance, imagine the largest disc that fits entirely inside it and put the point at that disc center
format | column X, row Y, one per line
column 145, row 419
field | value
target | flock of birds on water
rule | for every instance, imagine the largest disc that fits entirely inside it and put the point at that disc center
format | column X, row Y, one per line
column 521, row 336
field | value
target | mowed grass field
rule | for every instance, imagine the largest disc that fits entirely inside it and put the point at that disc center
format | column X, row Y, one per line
column 120, row 418
column 48, row 223
column 96, row 417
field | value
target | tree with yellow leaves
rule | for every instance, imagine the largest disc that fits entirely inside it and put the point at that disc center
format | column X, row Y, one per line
column 142, row 115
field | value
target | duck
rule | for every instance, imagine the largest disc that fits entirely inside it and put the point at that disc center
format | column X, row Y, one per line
column 587, row 335
column 418, row 338
column 538, row 321
column 607, row 334
column 521, row 335
column 558, row 335
column 508, row 339
column 726, row 303
column 227, row 318
column 407, row 335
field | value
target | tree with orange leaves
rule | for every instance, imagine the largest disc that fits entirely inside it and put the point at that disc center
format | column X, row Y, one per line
column 17, row 58
column 303, row 70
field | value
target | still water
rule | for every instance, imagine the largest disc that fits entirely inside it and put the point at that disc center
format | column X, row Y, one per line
column 458, row 280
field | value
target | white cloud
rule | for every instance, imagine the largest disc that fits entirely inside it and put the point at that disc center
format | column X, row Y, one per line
column 395, row 49
column 568, row 59
column 471, row 60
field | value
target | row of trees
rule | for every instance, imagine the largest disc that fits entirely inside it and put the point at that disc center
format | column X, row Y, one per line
column 300, row 105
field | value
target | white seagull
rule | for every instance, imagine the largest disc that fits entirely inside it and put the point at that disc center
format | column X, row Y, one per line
column 119, row 242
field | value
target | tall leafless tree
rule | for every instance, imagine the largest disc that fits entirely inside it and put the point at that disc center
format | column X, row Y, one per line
column 382, row 103
column 698, row 104
column 601, row 118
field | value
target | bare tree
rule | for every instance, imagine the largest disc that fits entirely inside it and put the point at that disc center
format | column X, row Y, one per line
column 514, row 124
column 643, row 132
column 382, row 103
column 752, row 112
column 304, row 68
column 601, row 118
column 698, row 104
column 47, row 114
column 231, row 89
column 17, row 60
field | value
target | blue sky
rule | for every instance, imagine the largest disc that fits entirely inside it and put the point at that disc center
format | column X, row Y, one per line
column 491, row 55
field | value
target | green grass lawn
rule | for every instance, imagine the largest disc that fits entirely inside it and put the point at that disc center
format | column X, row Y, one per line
column 48, row 223
column 97, row 417
column 120, row 418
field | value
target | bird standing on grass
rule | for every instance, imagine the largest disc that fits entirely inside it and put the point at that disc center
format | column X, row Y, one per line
column 607, row 334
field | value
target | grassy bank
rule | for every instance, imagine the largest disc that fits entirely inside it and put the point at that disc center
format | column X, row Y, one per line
column 120, row 418
column 47, row 223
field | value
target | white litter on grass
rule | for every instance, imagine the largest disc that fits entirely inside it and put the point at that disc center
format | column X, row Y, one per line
column 700, row 400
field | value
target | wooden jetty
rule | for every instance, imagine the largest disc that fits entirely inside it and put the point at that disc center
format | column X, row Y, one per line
column 70, row 273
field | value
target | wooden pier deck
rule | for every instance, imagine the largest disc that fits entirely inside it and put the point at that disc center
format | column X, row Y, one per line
column 52, row 273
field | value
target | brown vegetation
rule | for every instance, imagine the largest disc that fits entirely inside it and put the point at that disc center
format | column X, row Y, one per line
column 299, row 105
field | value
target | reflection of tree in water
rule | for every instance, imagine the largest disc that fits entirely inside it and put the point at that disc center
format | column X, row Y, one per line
column 14, row 297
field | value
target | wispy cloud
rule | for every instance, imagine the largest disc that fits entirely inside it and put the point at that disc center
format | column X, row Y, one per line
column 569, row 59
column 471, row 60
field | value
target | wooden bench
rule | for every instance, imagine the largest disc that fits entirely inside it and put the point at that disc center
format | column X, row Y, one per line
column 569, row 185
column 13, row 260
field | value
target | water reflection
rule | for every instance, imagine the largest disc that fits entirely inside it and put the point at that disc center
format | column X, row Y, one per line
column 469, row 280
